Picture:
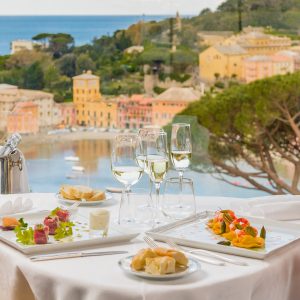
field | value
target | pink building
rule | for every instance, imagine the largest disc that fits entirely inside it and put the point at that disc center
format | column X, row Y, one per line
column 257, row 67
column 294, row 55
column 134, row 112
column 263, row 66
column 67, row 114
column 23, row 118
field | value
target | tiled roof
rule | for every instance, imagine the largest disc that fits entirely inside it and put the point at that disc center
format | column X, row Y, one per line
column 179, row 94
column 230, row 49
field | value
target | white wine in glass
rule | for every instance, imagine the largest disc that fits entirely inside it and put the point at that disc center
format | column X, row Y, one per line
column 126, row 170
column 181, row 150
column 157, row 163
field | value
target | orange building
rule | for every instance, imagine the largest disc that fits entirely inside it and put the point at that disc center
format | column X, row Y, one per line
column 91, row 108
column 23, row 118
column 166, row 105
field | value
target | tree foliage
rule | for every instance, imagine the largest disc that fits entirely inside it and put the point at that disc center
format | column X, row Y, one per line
column 257, row 123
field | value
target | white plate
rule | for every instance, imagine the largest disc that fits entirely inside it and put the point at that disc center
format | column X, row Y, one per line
column 83, row 202
column 81, row 235
column 125, row 263
column 193, row 232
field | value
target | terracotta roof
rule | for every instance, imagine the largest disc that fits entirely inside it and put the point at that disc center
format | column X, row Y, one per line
column 5, row 86
column 179, row 94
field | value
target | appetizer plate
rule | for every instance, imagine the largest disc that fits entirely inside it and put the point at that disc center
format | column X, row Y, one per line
column 81, row 237
column 125, row 263
column 84, row 202
column 193, row 232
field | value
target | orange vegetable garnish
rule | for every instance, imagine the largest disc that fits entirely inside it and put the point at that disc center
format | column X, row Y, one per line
column 10, row 222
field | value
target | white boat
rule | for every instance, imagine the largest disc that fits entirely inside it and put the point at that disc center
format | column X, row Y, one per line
column 72, row 158
column 78, row 168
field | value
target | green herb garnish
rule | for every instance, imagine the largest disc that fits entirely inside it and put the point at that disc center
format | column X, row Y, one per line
column 224, row 243
column 223, row 227
column 24, row 236
column 250, row 231
column 64, row 230
column 22, row 223
column 263, row 233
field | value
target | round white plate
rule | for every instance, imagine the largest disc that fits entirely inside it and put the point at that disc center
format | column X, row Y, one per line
column 84, row 202
column 125, row 262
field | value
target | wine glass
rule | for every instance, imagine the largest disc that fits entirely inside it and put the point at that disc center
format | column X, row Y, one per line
column 157, row 162
column 143, row 134
column 126, row 170
column 181, row 150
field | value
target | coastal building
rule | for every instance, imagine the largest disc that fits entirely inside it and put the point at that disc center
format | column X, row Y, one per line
column 68, row 114
column 134, row 50
column 91, row 108
column 263, row 66
column 23, row 118
column 48, row 111
column 19, row 45
column 134, row 112
column 257, row 67
column 259, row 43
column 166, row 105
column 213, row 38
column 222, row 61
column 294, row 55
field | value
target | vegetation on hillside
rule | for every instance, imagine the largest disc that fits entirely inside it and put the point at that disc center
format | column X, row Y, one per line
column 258, row 123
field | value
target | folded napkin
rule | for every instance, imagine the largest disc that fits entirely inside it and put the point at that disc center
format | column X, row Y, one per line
column 16, row 205
column 281, row 207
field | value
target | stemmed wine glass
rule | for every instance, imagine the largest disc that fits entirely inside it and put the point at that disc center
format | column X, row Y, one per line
column 126, row 170
column 157, row 162
column 143, row 134
column 181, row 150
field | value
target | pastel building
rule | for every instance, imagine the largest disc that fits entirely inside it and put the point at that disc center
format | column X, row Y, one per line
column 91, row 108
column 259, row 43
column 257, row 67
column 48, row 111
column 263, row 66
column 68, row 114
column 135, row 112
column 294, row 55
column 23, row 118
column 222, row 61
column 166, row 105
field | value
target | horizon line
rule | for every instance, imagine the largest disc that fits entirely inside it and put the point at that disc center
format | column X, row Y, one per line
column 91, row 15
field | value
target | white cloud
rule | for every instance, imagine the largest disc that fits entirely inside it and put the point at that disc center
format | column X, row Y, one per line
column 104, row 7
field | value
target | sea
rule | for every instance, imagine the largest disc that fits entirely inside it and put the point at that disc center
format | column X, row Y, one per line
column 83, row 28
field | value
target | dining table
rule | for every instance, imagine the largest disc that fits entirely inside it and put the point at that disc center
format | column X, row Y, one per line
column 277, row 277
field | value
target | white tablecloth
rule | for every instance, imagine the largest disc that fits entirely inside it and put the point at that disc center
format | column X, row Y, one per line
column 91, row 278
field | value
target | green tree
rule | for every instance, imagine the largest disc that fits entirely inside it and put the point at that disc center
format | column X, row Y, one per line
column 34, row 77
column 67, row 65
column 258, row 124
column 84, row 63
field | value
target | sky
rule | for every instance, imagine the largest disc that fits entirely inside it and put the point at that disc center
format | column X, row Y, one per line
column 104, row 7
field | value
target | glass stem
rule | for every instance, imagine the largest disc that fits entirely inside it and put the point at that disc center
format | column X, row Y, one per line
column 180, row 187
column 150, row 192
column 157, row 192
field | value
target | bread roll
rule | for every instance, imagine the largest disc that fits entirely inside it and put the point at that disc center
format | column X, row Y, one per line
column 98, row 196
column 82, row 192
column 160, row 265
column 139, row 260
column 180, row 258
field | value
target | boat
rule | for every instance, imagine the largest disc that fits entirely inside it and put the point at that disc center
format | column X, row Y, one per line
column 72, row 158
column 78, row 168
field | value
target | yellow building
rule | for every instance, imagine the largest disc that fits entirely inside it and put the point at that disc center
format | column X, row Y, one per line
column 91, row 108
column 222, row 61
column 259, row 43
column 212, row 38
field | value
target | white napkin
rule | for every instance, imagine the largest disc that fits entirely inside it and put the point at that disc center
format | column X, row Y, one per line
column 281, row 207
column 16, row 205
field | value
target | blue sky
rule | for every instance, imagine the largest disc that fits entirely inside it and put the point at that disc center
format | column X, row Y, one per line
column 104, row 7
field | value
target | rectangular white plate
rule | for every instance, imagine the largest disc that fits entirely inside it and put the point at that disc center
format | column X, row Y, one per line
column 81, row 236
column 193, row 232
